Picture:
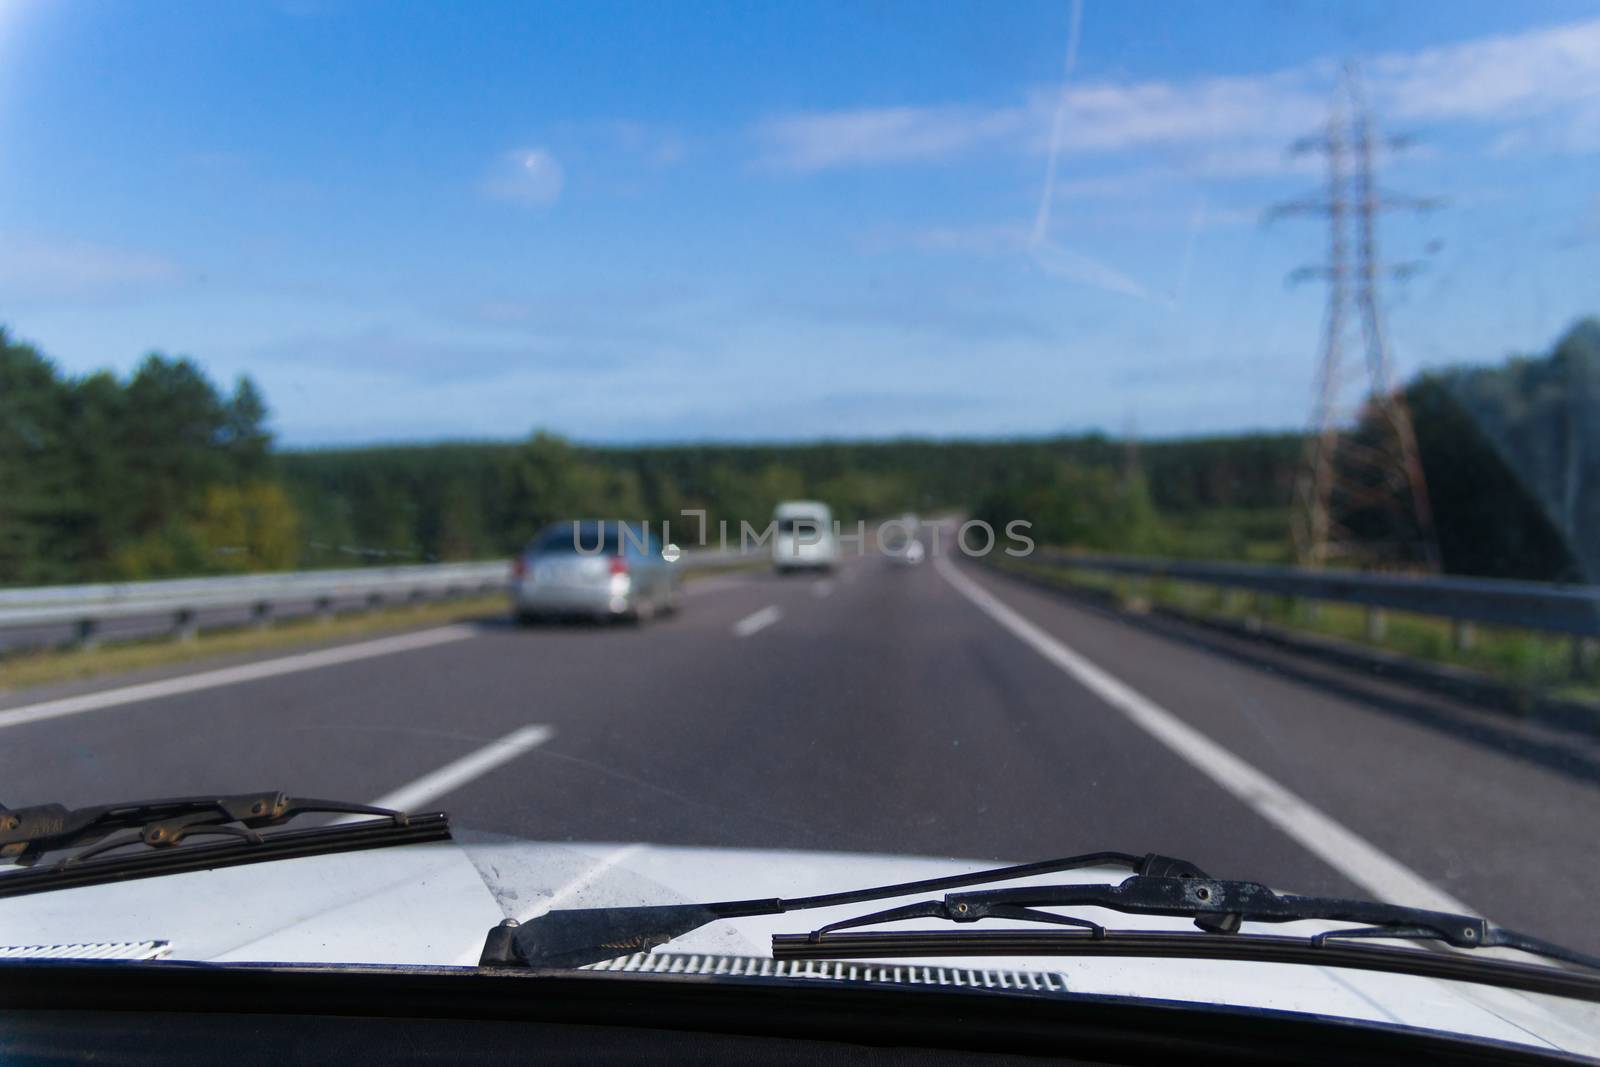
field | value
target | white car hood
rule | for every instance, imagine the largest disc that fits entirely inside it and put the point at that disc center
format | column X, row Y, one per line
column 433, row 904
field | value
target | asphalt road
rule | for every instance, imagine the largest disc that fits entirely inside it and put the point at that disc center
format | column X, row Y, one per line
column 936, row 709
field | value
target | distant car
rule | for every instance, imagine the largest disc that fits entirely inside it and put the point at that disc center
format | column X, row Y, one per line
column 898, row 540
column 594, row 569
column 804, row 537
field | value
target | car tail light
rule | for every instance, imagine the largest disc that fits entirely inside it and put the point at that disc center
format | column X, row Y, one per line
column 519, row 567
column 619, row 565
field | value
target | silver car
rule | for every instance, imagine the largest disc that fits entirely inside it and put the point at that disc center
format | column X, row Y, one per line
column 594, row 568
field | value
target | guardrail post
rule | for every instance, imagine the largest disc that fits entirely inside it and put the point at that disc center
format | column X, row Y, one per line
column 1462, row 635
column 86, row 634
column 1256, row 614
column 324, row 609
column 1140, row 593
column 1582, row 656
column 261, row 614
column 374, row 601
column 185, row 627
column 1377, row 624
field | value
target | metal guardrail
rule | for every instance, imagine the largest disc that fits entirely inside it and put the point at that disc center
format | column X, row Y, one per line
column 1563, row 609
column 85, row 608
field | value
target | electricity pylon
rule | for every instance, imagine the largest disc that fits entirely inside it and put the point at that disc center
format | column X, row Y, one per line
column 1360, row 495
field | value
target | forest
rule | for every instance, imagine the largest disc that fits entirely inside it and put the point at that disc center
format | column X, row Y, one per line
column 164, row 473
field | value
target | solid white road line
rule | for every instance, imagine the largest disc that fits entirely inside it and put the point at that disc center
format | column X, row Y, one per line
column 452, row 776
column 248, row 672
column 758, row 621
column 1341, row 848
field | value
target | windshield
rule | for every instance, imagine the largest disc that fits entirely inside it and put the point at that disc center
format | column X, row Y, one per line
column 1232, row 367
column 586, row 540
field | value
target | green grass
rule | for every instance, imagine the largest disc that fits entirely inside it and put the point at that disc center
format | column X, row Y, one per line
column 1252, row 535
column 1529, row 661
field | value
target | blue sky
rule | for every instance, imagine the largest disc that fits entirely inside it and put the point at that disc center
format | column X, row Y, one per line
column 630, row 222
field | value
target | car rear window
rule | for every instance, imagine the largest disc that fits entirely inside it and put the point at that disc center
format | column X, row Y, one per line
column 588, row 538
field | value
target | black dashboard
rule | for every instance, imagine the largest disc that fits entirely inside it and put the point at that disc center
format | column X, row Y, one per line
column 176, row 1012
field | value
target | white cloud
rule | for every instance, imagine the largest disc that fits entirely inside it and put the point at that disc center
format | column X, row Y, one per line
column 1101, row 118
column 822, row 141
column 655, row 146
column 530, row 177
column 1116, row 118
column 1496, row 78
column 1047, row 255
column 33, row 269
column 1075, row 266
column 1542, row 87
column 1573, row 133
column 980, row 240
column 1234, row 125
column 1119, row 186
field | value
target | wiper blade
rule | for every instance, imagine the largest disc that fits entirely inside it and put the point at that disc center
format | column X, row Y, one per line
column 1160, row 885
column 156, row 828
column 1217, row 907
column 28, row 833
column 575, row 937
column 1157, row 944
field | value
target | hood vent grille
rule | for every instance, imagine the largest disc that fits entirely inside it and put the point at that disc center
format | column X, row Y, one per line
column 834, row 970
column 99, row 950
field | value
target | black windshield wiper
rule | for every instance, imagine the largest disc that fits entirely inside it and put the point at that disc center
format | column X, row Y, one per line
column 157, row 827
column 1160, row 885
column 574, row 937
column 1218, row 908
column 1194, row 945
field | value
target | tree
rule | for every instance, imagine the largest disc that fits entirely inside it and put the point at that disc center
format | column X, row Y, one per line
column 547, row 480
column 37, row 495
column 171, row 432
column 244, row 431
column 1079, row 507
column 101, row 478
column 1509, row 453
column 109, row 495
column 250, row 528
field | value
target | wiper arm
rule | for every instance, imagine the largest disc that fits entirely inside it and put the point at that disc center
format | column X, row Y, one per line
column 157, row 827
column 574, row 937
column 28, row 833
column 1195, row 945
column 1160, row 885
column 1217, row 907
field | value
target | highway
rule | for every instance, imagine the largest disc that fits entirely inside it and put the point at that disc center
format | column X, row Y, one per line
column 941, row 709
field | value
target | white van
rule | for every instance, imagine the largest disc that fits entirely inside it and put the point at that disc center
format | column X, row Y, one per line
column 804, row 536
